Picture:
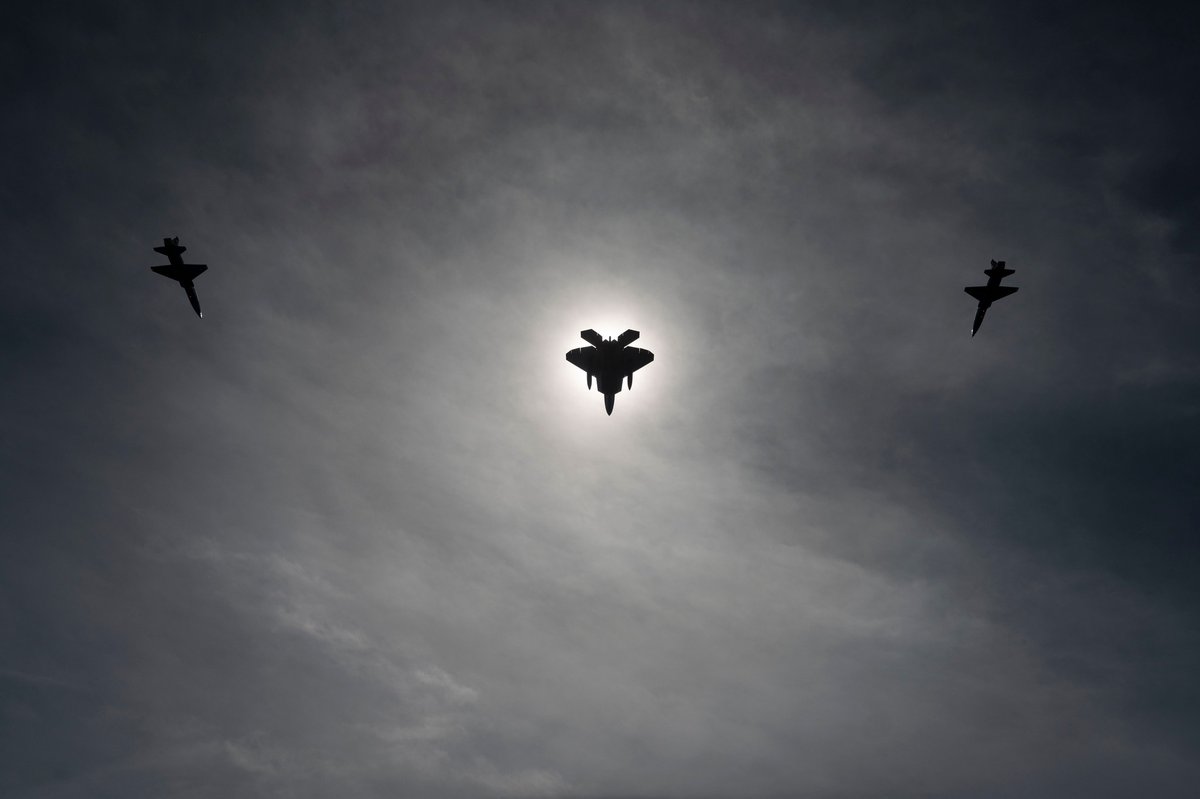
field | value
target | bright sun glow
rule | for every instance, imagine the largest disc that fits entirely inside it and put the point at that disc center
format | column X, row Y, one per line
column 571, row 404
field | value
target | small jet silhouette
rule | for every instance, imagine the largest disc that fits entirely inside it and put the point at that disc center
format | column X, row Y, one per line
column 179, row 271
column 609, row 362
column 991, row 292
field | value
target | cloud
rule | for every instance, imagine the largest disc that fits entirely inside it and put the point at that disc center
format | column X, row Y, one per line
column 363, row 531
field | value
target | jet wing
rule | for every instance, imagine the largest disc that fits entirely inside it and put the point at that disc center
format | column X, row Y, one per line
column 989, row 293
column 181, row 272
column 634, row 358
column 584, row 358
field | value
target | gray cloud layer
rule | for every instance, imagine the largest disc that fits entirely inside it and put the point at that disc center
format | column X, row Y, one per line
column 363, row 532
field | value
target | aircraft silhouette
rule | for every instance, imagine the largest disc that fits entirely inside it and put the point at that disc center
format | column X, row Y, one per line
column 991, row 292
column 178, row 271
column 609, row 361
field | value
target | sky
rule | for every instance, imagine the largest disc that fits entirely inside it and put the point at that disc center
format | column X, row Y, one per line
column 362, row 531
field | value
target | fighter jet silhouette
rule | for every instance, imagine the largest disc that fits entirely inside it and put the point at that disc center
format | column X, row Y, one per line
column 991, row 292
column 609, row 362
column 179, row 271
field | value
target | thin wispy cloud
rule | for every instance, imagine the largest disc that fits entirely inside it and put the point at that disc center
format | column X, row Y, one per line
column 363, row 531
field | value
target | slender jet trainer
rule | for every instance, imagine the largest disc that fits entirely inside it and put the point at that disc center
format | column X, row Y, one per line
column 178, row 271
column 991, row 292
column 610, row 362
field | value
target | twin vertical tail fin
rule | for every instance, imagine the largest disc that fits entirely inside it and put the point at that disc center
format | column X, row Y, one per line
column 171, row 248
column 999, row 270
column 591, row 337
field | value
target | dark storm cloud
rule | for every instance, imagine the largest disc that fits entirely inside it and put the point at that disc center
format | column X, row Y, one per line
column 352, row 534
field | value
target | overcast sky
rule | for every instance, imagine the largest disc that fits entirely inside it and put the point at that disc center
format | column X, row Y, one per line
column 363, row 532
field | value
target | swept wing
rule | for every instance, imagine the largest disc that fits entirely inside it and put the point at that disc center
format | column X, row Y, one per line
column 181, row 272
column 634, row 358
column 584, row 358
column 990, row 293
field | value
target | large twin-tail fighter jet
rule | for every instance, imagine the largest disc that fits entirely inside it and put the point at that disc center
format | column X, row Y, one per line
column 178, row 271
column 610, row 362
column 991, row 292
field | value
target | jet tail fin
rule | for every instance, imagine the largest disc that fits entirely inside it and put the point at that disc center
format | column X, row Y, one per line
column 591, row 337
column 170, row 247
column 999, row 270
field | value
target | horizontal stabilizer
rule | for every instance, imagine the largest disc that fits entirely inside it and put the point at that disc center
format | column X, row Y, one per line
column 998, row 270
